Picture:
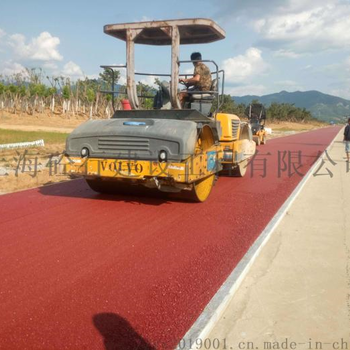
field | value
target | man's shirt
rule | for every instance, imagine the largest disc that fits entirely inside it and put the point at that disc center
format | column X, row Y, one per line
column 203, row 71
column 347, row 133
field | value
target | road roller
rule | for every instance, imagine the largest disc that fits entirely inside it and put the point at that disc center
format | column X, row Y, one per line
column 256, row 114
column 174, row 147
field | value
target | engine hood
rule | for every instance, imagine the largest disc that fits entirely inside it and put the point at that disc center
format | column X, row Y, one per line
column 134, row 138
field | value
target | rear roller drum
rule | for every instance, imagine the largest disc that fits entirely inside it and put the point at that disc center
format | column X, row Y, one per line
column 240, row 169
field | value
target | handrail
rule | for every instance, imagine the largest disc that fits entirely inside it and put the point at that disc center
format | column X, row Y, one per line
column 217, row 72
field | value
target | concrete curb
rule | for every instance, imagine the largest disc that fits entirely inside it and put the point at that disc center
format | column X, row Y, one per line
column 38, row 143
column 218, row 304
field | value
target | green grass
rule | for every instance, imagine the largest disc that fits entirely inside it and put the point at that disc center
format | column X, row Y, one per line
column 14, row 136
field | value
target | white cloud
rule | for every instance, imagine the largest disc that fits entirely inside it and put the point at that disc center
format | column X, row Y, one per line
column 338, row 74
column 2, row 33
column 287, row 54
column 341, row 92
column 252, row 89
column 239, row 9
column 50, row 65
column 292, row 27
column 289, row 85
column 307, row 67
column 244, row 67
column 316, row 29
column 295, row 6
column 149, row 80
column 42, row 48
column 122, row 78
column 347, row 64
column 73, row 71
column 93, row 76
column 338, row 70
column 188, row 71
column 145, row 19
column 10, row 67
column 2, row 40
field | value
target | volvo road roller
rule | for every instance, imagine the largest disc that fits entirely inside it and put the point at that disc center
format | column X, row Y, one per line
column 173, row 147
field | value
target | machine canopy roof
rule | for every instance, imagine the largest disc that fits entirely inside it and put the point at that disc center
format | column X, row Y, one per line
column 192, row 31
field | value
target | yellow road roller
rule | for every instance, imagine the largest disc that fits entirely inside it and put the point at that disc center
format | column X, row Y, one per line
column 173, row 147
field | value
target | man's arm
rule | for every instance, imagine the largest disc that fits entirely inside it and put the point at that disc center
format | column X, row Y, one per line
column 191, row 81
column 346, row 131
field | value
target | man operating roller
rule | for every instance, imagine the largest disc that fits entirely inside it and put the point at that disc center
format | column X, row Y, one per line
column 201, row 80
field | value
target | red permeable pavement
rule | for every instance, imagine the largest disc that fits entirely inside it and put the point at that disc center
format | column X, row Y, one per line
column 81, row 270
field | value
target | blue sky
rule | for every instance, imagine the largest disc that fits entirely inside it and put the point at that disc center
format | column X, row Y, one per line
column 270, row 45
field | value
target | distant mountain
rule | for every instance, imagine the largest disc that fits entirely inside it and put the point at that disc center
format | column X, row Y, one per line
column 322, row 106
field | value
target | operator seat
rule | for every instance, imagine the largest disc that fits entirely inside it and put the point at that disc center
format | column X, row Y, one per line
column 202, row 102
column 207, row 96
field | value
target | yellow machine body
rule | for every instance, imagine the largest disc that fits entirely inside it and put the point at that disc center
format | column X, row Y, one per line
column 235, row 146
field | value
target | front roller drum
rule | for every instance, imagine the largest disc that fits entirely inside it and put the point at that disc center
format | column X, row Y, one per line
column 202, row 188
column 257, row 140
column 115, row 187
column 106, row 186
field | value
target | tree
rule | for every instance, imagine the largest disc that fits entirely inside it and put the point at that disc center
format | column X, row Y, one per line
column 66, row 92
column 147, row 94
column 288, row 112
column 2, row 88
column 90, row 95
column 107, row 78
column 228, row 105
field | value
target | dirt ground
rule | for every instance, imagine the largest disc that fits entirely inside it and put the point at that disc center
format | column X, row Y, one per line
column 40, row 122
column 22, row 169
column 288, row 128
column 34, row 169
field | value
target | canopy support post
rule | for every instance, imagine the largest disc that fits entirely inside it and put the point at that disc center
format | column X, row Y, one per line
column 131, row 35
column 175, row 45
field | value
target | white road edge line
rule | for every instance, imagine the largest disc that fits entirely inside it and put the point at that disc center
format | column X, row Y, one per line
column 37, row 143
column 218, row 304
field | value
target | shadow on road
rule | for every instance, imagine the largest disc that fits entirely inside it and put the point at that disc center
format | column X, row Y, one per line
column 118, row 334
column 78, row 188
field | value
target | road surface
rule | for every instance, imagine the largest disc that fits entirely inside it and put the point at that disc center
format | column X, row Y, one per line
column 81, row 270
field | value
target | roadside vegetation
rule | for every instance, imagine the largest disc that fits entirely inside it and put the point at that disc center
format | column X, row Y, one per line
column 276, row 112
column 33, row 93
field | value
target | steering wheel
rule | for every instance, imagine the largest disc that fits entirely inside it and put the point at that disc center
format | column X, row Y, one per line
column 183, row 83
